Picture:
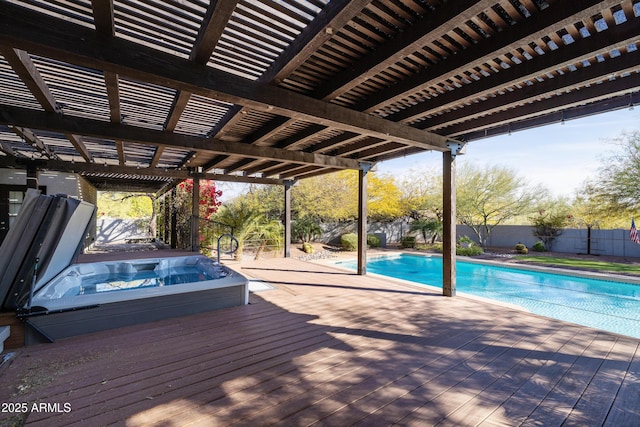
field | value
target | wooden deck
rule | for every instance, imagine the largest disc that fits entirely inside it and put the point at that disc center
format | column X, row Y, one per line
column 334, row 349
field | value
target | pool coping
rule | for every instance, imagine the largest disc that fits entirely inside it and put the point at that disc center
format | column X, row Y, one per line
column 610, row 277
column 592, row 275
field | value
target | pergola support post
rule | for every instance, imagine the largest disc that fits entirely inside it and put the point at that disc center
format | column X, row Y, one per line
column 32, row 176
column 174, row 219
column 449, row 225
column 195, row 214
column 287, row 218
column 166, row 228
column 362, row 218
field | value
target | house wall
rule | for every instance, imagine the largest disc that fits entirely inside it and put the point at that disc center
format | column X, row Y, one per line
column 58, row 183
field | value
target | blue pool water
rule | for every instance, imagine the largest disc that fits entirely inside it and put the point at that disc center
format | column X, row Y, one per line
column 609, row 305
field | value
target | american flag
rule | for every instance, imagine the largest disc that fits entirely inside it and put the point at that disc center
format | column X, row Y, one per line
column 633, row 233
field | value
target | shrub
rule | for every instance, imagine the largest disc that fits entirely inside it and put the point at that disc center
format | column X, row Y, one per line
column 349, row 242
column 539, row 247
column 408, row 242
column 307, row 248
column 472, row 250
column 549, row 225
column 466, row 241
column 373, row 241
column 306, row 229
column 521, row 249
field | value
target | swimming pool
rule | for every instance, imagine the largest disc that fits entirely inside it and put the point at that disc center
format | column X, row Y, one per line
column 609, row 305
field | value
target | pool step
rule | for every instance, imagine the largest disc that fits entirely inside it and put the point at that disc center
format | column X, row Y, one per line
column 5, row 331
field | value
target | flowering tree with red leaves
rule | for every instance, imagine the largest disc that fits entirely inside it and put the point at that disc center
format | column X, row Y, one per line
column 209, row 197
column 182, row 206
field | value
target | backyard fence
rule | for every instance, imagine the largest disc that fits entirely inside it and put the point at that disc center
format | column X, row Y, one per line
column 572, row 240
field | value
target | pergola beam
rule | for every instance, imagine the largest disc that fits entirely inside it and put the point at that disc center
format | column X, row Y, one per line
column 570, row 81
column 334, row 16
column 75, row 44
column 617, row 37
column 117, row 131
column 597, row 92
column 407, row 42
column 567, row 113
column 24, row 67
column 132, row 172
column 536, row 27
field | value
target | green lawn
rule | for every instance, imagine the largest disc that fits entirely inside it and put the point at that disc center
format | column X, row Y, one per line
column 586, row 264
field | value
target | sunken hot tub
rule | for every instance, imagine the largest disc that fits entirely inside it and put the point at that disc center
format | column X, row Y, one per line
column 93, row 297
column 103, row 295
column 57, row 298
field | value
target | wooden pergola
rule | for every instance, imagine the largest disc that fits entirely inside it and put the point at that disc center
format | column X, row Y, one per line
column 141, row 94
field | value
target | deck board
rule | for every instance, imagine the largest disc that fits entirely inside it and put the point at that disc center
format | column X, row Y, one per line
column 327, row 347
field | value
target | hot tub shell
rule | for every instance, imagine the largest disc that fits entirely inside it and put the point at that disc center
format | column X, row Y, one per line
column 58, row 316
column 37, row 264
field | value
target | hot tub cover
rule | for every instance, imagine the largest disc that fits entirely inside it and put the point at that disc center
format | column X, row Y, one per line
column 44, row 240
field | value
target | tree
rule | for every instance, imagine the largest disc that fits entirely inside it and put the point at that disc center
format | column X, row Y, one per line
column 547, row 225
column 138, row 206
column 490, row 196
column 306, row 229
column 267, row 199
column 618, row 182
column 331, row 197
column 248, row 225
column 428, row 227
column 384, row 198
column 421, row 195
column 209, row 197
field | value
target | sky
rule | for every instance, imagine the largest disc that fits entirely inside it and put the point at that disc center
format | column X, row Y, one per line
column 560, row 157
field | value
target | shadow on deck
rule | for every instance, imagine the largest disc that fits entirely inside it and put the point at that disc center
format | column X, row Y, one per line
column 334, row 349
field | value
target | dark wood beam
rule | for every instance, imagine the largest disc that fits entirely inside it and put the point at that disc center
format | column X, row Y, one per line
column 24, row 67
column 32, row 138
column 333, row 142
column 617, row 37
column 335, row 15
column 294, row 172
column 555, row 17
column 117, row 131
column 132, row 172
column 577, row 112
column 213, row 24
column 621, row 86
column 29, row 74
column 431, row 26
column 362, row 221
column 301, row 137
column 260, row 167
column 281, row 168
column 215, row 20
column 360, row 146
column 312, row 173
column 238, row 165
column 103, row 17
column 72, row 43
column 104, row 21
column 449, row 225
column 551, row 87
column 78, row 144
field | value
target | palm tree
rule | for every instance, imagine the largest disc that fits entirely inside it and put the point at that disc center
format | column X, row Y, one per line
column 426, row 227
column 249, row 224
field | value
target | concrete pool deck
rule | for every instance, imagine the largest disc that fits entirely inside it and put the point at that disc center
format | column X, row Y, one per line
column 333, row 348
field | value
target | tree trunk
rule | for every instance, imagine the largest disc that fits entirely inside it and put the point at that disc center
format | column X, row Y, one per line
column 153, row 222
column 263, row 245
